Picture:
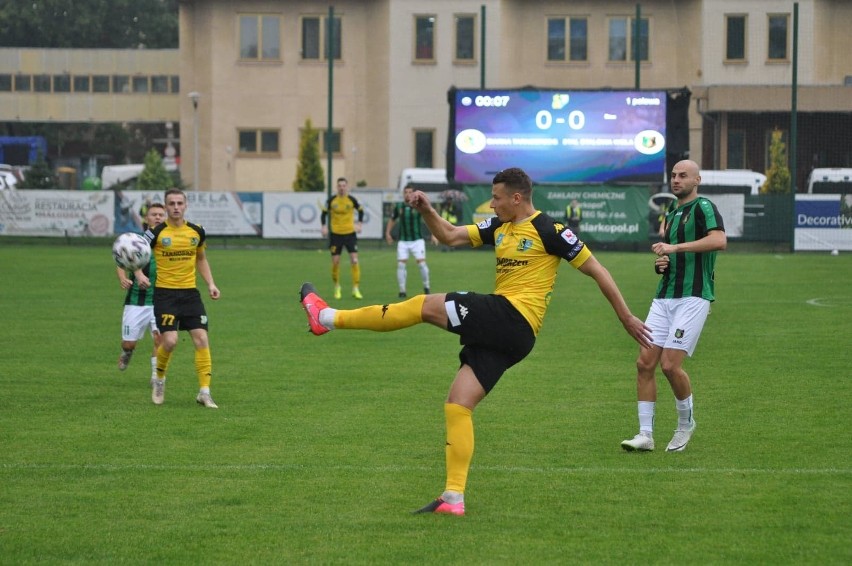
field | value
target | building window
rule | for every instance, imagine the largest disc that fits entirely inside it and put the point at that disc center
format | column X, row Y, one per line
column 465, row 38
column 424, row 38
column 735, row 28
column 736, row 149
column 140, row 84
column 258, row 142
column 579, row 39
column 61, row 83
column 576, row 39
column 778, row 36
column 260, row 37
column 331, row 144
column 41, row 83
column 23, row 83
column 621, row 39
column 175, row 81
column 555, row 39
column 424, row 148
column 5, row 83
column 100, row 83
column 159, row 83
column 81, row 83
column 120, row 83
column 324, row 143
column 315, row 39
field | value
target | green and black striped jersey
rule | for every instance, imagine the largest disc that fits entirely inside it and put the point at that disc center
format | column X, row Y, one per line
column 407, row 221
column 142, row 297
column 690, row 274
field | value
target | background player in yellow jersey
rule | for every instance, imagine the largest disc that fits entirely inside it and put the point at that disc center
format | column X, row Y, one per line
column 179, row 248
column 138, row 314
column 340, row 210
column 496, row 330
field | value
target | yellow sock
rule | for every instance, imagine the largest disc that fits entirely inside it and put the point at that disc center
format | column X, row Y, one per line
column 203, row 366
column 382, row 318
column 163, row 359
column 459, row 448
column 335, row 273
column 356, row 274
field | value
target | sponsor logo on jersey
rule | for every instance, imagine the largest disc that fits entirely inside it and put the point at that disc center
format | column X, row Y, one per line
column 484, row 224
column 511, row 262
column 569, row 237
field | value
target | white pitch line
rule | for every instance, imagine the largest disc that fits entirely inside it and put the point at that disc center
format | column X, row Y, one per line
column 510, row 469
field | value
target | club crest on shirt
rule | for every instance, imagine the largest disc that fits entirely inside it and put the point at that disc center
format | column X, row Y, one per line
column 679, row 333
column 524, row 244
column 166, row 242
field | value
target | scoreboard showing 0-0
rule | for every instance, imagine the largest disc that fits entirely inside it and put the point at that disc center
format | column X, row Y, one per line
column 559, row 136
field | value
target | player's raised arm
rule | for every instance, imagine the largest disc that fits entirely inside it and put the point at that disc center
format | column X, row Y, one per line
column 440, row 228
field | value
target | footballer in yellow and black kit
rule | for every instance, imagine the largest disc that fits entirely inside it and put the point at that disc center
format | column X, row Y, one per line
column 177, row 301
column 498, row 330
column 340, row 211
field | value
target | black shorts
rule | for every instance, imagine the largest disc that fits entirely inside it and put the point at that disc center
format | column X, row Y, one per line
column 179, row 309
column 336, row 243
column 494, row 335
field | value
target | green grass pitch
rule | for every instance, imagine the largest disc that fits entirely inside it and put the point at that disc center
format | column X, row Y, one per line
column 322, row 446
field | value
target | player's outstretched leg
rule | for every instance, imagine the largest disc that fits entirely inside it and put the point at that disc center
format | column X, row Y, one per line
column 313, row 304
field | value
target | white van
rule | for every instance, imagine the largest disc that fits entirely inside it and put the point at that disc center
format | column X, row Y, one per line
column 427, row 180
column 721, row 181
column 830, row 181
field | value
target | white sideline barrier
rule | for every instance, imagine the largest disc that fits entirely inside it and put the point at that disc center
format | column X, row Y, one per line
column 106, row 213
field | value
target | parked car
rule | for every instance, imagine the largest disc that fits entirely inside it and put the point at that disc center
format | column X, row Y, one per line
column 830, row 180
column 723, row 181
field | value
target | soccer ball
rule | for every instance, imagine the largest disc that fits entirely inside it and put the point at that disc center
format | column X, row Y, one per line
column 131, row 251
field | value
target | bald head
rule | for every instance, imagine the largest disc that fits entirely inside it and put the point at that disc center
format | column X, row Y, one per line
column 687, row 165
column 685, row 180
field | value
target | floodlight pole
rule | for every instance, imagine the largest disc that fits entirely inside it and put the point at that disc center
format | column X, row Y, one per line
column 194, row 96
column 637, row 70
column 330, row 54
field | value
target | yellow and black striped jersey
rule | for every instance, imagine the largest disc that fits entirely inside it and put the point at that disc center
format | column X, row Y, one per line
column 528, row 255
column 175, row 249
column 342, row 211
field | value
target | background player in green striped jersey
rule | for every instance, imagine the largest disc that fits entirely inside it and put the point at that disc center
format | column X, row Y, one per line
column 686, row 257
column 411, row 240
column 139, row 300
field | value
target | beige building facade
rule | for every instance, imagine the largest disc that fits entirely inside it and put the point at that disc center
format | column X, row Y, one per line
column 258, row 70
column 399, row 58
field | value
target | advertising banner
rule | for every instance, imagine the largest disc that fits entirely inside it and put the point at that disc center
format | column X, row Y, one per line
column 610, row 214
column 823, row 222
column 219, row 213
column 297, row 215
column 56, row 213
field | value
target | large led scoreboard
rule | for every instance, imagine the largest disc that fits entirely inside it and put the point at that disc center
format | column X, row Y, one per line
column 558, row 136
